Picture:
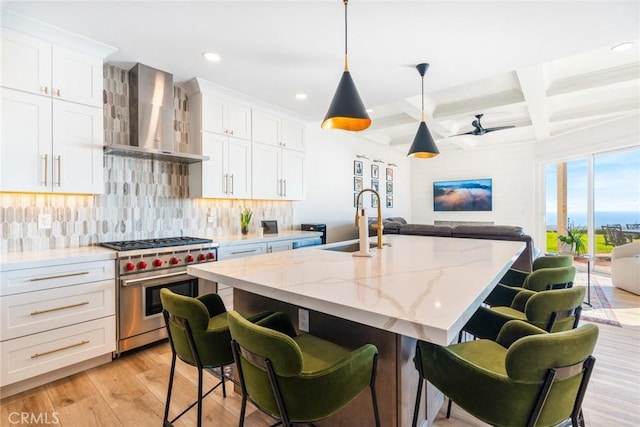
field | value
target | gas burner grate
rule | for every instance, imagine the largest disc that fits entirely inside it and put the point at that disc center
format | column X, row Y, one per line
column 130, row 245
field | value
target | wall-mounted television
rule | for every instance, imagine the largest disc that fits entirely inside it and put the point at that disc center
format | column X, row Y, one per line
column 462, row 195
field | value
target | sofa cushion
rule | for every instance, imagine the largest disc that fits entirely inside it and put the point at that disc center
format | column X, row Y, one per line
column 426, row 230
column 487, row 230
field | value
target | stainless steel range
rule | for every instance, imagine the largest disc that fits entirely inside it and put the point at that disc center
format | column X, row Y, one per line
column 143, row 268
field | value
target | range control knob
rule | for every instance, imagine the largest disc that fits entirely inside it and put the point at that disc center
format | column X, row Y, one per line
column 211, row 255
column 174, row 260
column 157, row 262
column 129, row 266
column 189, row 258
column 142, row 265
column 202, row 257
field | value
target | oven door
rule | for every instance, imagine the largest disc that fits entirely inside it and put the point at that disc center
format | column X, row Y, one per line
column 140, row 306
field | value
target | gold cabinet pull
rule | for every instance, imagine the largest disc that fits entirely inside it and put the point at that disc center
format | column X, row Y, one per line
column 34, row 313
column 46, row 168
column 59, row 276
column 57, row 92
column 33, row 356
column 44, row 89
column 58, row 159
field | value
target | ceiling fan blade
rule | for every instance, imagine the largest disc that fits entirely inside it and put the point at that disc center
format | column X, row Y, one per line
column 473, row 132
column 498, row 128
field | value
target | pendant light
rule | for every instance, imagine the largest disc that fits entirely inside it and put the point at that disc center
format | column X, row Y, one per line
column 423, row 146
column 347, row 111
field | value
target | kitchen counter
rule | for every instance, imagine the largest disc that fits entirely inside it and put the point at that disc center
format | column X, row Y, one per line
column 421, row 287
column 240, row 239
column 23, row 260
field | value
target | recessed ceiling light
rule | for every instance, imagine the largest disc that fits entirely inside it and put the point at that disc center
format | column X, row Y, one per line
column 301, row 95
column 210, row 56
column 622, row 47
column 369, row 110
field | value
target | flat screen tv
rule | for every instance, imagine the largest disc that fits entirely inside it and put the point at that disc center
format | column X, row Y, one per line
column 462, row 195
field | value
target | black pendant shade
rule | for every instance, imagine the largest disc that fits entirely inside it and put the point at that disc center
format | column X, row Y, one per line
column 347, row 111
column 423, row 146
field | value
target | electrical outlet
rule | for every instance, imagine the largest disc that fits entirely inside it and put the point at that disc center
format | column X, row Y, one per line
column 44, row 221
column 303, row 320
column 211, row 219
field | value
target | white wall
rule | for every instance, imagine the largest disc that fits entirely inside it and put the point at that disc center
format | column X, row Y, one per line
column 329, row 187
column 511, row 167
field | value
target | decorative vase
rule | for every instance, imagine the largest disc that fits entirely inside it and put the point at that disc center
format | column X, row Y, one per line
column 244, row 229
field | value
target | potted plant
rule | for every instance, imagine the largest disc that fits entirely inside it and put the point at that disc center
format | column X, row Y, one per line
column 245, row 219
column 573, row 239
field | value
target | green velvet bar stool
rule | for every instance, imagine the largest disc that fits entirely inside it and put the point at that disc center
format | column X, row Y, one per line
column 527, row 377
column 199, row 335
column 515, row 277
column 298, row 378
column 542, row 279
column 554, row 311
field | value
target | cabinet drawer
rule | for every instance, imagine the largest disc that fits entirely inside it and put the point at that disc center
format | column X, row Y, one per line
column 33, row 312
column 240, row 251
column 37, row 354
column 39, row 278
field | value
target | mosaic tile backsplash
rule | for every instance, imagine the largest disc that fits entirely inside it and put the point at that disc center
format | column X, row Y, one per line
column 143, row 198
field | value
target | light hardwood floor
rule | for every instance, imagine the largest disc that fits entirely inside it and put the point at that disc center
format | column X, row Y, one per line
column 131, row 390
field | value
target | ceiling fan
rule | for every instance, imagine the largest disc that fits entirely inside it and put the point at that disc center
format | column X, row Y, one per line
column 479, row 130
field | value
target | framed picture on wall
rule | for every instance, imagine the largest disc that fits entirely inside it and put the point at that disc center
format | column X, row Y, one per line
column 357, row 184
column 374, row 201
column 357, row 167
column 389, row 187
column 375, row 184
column 374, row 172
column 389, row 201
column 355, row 200
column 389, row 174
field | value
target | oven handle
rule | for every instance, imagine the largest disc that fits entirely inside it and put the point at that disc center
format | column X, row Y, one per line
column 133, row 282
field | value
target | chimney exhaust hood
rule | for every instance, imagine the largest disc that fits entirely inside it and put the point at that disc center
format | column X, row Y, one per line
column 151, row 118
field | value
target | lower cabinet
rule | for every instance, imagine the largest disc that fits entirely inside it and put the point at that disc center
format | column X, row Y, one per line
column 55, row 316
column 232, row 252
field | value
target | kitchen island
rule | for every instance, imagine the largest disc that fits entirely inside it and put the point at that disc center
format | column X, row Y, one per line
column 416, row 288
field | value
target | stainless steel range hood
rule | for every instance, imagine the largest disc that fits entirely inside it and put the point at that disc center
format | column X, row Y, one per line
column 151, row 118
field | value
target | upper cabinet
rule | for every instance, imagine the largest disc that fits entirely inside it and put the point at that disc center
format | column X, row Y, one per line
column 224, row 116
column 268, row 128
column 34, row 65
column 52, row 120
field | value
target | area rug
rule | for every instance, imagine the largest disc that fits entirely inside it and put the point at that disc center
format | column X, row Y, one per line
column 601, row 312
column 228, row 373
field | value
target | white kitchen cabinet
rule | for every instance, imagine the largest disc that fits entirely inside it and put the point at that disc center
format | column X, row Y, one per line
column 50, row 145
column 279, row 246
column 222, row 115
column 268, row 128
column 37, row 66
column 232, row 252
column 227, row 173
column 278, row 173
column 55, row 316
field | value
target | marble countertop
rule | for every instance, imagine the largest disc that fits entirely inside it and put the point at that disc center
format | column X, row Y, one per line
column 29, row 259
column 422, row 287
column 239, row 239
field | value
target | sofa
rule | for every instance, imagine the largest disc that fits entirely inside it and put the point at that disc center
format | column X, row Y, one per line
column 625, row 267
column 398, row 225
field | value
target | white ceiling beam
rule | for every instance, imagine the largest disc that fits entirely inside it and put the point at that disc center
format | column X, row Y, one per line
column 533, row 86
column 415, row 112
column 478, row 104
column 600, row 78
column 597, row 111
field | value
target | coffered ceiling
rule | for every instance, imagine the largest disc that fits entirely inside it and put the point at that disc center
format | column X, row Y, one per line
column 544, row 67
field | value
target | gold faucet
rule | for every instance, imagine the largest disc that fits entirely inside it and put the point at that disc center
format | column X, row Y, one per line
column 377, row 226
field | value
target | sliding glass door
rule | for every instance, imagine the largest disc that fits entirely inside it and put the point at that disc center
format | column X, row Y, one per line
column 593, row 204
